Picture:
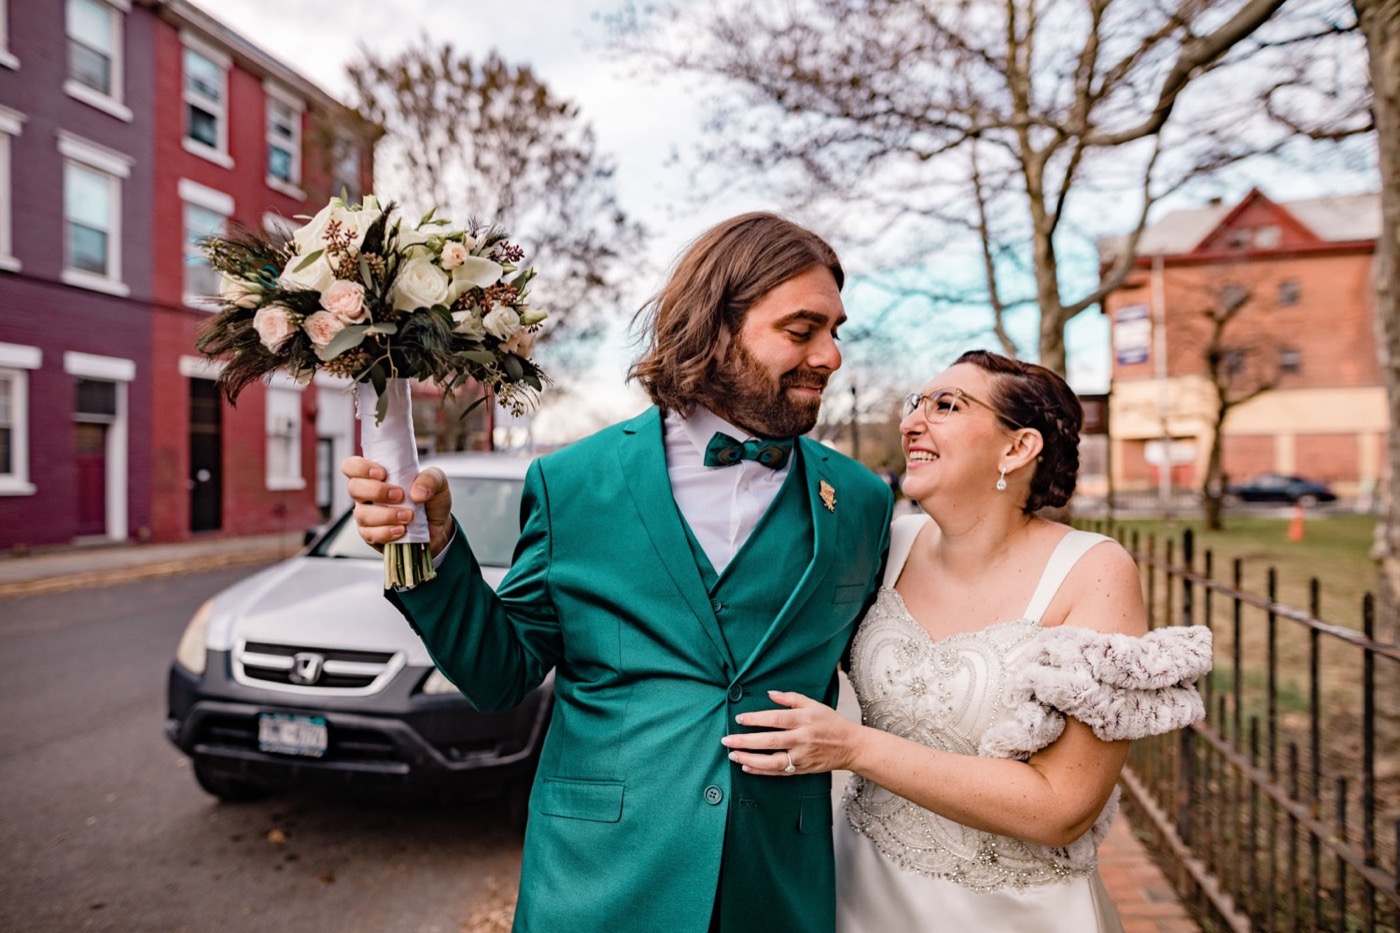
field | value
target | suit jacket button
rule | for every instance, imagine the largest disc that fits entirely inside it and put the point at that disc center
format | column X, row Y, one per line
column 713, row 795
column 736, row 693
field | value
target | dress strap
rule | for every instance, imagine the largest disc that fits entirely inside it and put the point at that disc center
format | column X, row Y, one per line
column 1062, row 560
column 903, row 531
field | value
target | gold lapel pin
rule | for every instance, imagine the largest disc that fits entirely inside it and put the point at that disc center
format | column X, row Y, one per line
column 828, row 495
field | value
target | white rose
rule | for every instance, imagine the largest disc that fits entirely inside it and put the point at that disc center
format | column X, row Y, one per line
column 419, row 284
column 238, row 291
column 321, row 327
column 501, row 322
column 468, row 325
column 274, row 325
column 474, row 272
column 346, row 300
column 316, row 277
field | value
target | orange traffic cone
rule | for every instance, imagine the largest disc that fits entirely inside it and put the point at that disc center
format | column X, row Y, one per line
column 1295, row 525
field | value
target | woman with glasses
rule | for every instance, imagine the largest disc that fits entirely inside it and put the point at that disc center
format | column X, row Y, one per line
column 1002, row 671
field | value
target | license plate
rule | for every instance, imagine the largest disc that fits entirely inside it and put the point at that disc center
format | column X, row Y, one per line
column 287, row 734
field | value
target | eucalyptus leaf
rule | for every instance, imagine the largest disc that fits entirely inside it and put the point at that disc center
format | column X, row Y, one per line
column 484, row 357
column 347, row 339
column 473, row 406
column 310, row 258
column 382, row 327
column 511, row 362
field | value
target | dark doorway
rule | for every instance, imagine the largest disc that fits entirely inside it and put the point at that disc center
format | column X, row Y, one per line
column 325, row 475
column 206, row 480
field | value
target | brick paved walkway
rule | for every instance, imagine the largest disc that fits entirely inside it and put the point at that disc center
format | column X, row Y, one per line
column 1146, row 902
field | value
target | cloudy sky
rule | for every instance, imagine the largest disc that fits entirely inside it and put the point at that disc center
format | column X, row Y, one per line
column 640, row 122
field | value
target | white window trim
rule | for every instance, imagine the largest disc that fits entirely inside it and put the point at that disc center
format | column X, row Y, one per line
column 211, row 199
column 117, row 167
column 18, row 359
column 7, row 58
column 219, row 154
column 11, row 125
column 92, row 366
column 112, row 103
column 278, row 93
column 198, row 367
column 296, row 479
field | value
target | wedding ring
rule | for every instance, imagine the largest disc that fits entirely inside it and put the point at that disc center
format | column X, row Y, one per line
column 790, row 766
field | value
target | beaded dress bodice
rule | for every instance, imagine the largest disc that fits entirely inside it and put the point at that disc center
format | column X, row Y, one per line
column 945, row 694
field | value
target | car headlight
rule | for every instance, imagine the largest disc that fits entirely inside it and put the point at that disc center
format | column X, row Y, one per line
column 438, row 684
column 191, row 652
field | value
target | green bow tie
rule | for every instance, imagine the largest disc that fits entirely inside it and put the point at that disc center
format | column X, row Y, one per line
column 724, row 450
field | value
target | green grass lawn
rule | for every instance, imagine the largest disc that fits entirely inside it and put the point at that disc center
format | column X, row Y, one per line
column 1335, row 549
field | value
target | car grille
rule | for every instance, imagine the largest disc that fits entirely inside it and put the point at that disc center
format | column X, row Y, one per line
column 347, row 744
column 308, row 669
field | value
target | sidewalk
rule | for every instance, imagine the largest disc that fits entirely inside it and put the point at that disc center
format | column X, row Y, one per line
column 98, row 565
column 1145, row 901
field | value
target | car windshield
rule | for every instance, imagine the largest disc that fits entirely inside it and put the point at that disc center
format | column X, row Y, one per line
column 488, row 509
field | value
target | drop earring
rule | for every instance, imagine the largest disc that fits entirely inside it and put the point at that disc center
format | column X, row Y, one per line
column 1001, row 481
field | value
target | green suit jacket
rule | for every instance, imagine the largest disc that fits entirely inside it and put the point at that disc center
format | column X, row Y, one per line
column 637, row 817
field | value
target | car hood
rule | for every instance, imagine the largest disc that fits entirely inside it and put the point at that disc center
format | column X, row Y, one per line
column 317, row 602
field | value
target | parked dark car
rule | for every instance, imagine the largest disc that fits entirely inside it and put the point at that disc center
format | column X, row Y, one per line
column 1275, row 487
column 303, row 675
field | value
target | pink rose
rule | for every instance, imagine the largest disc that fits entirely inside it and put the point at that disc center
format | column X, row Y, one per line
column 453, row 254
column 346, row 300
column 274, row 325
column 321, row 327
column 522, row 343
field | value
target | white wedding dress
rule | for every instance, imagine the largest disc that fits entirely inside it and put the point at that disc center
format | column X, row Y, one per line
column 902, row 868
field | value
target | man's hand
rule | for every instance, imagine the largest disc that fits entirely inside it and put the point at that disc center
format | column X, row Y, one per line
column 380, row 510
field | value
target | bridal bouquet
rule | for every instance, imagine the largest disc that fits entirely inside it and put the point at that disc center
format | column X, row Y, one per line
column 359, row 292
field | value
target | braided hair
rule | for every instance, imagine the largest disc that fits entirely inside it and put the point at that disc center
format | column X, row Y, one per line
column 1028, row 395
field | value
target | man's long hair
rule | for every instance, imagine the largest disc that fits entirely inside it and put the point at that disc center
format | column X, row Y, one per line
column 690, row 323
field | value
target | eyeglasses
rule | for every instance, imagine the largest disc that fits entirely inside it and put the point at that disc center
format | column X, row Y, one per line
column 940, row 403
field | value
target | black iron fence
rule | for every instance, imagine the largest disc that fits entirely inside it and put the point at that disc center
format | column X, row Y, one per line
column 1281, row 810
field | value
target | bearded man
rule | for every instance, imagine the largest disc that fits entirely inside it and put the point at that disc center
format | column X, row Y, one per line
column 673, row 569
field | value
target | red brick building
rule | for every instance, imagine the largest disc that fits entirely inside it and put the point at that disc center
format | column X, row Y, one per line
column 1298, row 277
column 128, row 128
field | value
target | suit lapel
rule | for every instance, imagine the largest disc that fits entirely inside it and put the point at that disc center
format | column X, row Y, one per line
column 642, row 458
column 817, row 479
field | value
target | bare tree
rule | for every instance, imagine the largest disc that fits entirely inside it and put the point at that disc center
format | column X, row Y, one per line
column 1241, row 363
column 1019, row 123
column 1380, row 22
column 491, row 141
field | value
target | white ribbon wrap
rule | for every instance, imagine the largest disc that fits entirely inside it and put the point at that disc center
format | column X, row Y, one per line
column 391, row 444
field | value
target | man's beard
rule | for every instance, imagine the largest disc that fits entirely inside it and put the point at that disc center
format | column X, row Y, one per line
column 745, row 394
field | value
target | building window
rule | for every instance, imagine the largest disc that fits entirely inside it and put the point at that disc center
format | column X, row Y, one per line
column 283, row 142
column 92, row 206
column 11, row 122
column 206, row 213
column 1289, row 292
column 1232, row 296
column 95, row 40
column 345, row 168
column 284, row 438
column 7, row 57
column 1268, row 237
column 1239, row 238
column 206, row 103
column 1290, row 361
column 15, row 363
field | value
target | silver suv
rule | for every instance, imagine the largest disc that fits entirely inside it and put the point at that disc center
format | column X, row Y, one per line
column 304, row 675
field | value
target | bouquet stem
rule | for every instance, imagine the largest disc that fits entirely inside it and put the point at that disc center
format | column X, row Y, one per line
column 390, row 443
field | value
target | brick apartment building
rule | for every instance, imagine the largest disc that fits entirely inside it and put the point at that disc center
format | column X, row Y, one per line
column 1299, row 278
column 127, row 130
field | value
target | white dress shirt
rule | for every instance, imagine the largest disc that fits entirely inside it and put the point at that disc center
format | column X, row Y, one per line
column 722, row 505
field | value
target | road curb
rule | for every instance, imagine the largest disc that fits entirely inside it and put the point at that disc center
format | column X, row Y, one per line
column 169, row 568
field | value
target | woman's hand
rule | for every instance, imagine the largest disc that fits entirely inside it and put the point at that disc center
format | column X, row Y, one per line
column 811, row 738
